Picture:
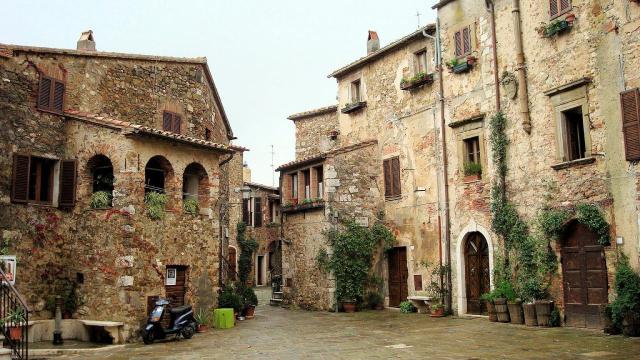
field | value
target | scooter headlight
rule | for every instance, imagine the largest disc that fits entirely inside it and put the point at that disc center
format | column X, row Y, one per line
column 155, row 318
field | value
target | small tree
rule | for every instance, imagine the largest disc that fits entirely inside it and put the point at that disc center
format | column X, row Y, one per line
column 247, row 247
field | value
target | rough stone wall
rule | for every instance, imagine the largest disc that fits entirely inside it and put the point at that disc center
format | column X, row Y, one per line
column 120, row 252
column 313, row 134
column 264, row 235
column 236, row 182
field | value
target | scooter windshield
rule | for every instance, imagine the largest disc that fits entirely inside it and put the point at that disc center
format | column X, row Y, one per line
column 156, row 314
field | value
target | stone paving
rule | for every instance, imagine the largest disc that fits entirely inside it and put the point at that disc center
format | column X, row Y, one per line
column 278, row 333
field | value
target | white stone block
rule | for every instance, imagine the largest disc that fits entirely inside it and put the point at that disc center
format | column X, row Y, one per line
column 125, row 261
column 125, row 280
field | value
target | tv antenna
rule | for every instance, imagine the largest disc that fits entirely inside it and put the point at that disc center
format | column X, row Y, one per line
column 273, row 171
column 418, row 16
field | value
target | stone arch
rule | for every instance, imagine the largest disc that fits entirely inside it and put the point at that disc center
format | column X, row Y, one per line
column 195, row 184
column 472, row 227
column 99, row 175
column 159, row 177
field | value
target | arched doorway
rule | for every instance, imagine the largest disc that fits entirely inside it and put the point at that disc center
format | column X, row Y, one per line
column 477, row 272
column 584, row 275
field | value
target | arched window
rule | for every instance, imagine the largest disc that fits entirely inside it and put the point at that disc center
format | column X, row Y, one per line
column 157, row 175
column 195, row 184
column 102, row 179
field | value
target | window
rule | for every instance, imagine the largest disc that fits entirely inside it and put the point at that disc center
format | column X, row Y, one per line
column 34, row 181
column 630, row 102
column 421, row 62
column 195, row 184
column 307, row 183
column 171, row 122
column 575, row 147
column 102, row 175
column 462, row 40
column 51, row 94
column 320, row 179
column 354, row 93
column 472, row 150
column 559, row 7
column 157, row 173
column 392, row 178
column 294, row 186
column 246, row 211
column 207, row 134
column 257, row 214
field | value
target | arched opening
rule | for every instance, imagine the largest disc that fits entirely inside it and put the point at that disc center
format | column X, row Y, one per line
column 157, row 175
column 461, row 266
column 102, row 179
column 584, row 275
column 477, row 272
column 195, row 184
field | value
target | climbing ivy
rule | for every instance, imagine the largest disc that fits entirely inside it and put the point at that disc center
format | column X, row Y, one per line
column 552, row 221
column 247, row 247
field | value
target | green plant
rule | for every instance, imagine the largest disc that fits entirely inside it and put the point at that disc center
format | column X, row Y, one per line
column 191, row 206
column 322, row 259
column 374, row 299
column 15, row 316
column 307, row 201
column 627, row 288
column 436, row 288
column 100, row 200
column 591, row 216
column 555, row 27
column 155, row 205
column 552, row 222
column 202, row 317
column 248, row 296
column 554, row 319
column 407, row 307
column 472, row 168
column 228, row 299
column 504, row 289
column 453, row 62
column 247, row 248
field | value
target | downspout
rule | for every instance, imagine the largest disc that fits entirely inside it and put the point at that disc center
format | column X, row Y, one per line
column 222, row 215
column 494, row 45
column 523, row 99
column 445, row 168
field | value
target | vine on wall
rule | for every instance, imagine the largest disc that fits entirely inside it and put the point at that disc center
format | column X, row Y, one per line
column 247, row 247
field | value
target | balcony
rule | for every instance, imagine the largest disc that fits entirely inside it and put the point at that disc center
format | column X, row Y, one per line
column 353, row 107
column 305, row 205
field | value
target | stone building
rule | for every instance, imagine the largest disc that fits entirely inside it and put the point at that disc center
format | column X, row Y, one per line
column 562, row 74
column 81, row 122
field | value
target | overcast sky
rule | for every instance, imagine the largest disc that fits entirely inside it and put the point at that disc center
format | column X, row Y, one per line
column 269, row 59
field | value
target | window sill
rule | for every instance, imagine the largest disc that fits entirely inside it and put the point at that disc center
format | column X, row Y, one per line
column 349, row 108
column 60, row 113
column 471, row 179
column 572, row 163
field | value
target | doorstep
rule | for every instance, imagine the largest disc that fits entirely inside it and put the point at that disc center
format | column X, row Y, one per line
column 71, row 350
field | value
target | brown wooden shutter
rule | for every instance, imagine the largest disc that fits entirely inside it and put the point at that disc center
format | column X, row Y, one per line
column 387, row 177
column 166, row 121
column 67, row 183
column 177, row 123
column 466, row 40
column 257, row 212
column 630, row 103
column 458, row 43
column 44, row 93
column 245, row 211
column 565, row 5
column 553, row 8
column 20, row 184
column 58, row 97
column 395, row 169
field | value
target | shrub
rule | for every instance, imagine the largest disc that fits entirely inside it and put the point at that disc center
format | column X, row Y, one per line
column 155, row 205
column 373, row 299
column 247, row 247
column 407, row 307
column 229, row 299
column 248, row 297
column 472, row 168
column 191, row 206
column 100, row 200
column 627, row 287
column 504, row 289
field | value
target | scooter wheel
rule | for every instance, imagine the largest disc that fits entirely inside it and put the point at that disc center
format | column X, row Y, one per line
column 188, row 332
column 148, row 337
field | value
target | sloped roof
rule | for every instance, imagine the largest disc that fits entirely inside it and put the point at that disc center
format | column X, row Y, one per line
column 314, row 112
column 380, row 52
column 9, row 48
column 321, row 156
column 135, row 129
column 261, row 186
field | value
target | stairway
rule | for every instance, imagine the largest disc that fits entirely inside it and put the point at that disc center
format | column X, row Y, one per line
column 276, row 298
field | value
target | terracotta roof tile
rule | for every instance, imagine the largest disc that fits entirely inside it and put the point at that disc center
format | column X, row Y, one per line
column 321, row 156
column 319, row 111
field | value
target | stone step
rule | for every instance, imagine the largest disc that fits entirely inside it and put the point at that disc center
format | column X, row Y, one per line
column 276, row 295
column 275, row 302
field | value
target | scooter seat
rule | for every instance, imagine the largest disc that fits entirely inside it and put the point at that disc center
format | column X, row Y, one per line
column 180, row 309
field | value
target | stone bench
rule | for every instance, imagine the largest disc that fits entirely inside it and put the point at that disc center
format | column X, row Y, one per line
column 74, row 329
column 422, row 303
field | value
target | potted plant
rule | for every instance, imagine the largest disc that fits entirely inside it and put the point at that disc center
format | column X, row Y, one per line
column 155, row 205
column 374, row 300
column 249, row 301
column 471, row 60
column 437, row 309
column 406, row 307
column 456, row 66
column 191, row 206
column 571, row 17
column 15, row 320
column 228, row 299
column 202, row 318
column 543, row 312
column 100, row 200
column 472, row 171
column 515, row 311
column 438, row 290
column 503, row 293
column 491, row 309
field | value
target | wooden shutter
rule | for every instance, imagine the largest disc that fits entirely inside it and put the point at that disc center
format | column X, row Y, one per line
column 458, row 43
column 67, row 183
column 395, row 169
column 630, row 103
column 554, row 10
column 58, row 97
column 166, row 121
column 387, row 177
column 44, row 93
column 466, row 40
column 177, row 123
column 245, row 211
column 257, row 212
column 20, row 184
column 565, row 5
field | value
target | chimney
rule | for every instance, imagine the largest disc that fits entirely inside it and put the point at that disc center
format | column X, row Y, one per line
column 246, row 173
column 373, row 43
column 86, row 41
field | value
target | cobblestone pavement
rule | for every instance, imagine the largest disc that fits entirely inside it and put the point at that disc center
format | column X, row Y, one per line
column 277, row 333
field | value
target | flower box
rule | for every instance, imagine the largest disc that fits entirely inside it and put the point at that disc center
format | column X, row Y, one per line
column 461, row 68
column 416, row 81
column 349, row 108
column 555, row 28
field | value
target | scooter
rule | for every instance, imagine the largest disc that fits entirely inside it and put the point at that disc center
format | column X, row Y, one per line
column 182, row 322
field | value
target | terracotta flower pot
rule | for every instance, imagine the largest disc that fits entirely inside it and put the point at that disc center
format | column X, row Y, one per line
column 202, row 328
column 530, row 315
column 379, row 307
column 15, row 333
column 349, row 307
column 515, row 312
column 437, row 312
column 250, row 312
column 491, row 310
column 571, row 18
column 502, row 311
column 543, row 312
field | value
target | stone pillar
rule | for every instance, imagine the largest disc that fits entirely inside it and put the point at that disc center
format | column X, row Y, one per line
column 300, row 187
column 313, row 183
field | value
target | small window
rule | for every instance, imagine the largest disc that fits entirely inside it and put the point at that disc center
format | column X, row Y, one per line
column 307, row 183
column 574, row 136
column 320, row 179
column 355, row 94
column 257, row 212
column 462, row 39
column 33, row 181
column 392, row 187
column 207, row 134
column 51, row 94
column 246, row 211
column 559, row 7
column 41, row 180
column 421, row 62
column 171, row 122
column 472, row 150
column 294, row 186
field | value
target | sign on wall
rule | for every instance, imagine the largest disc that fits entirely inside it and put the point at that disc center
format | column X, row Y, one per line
column 171, row 276
column 8, row 263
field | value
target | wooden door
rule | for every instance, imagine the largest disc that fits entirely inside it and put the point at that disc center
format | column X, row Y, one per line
column 477, row 272
column 584, row 274
column 260, row 269
column 398, row 274
column 175, row 293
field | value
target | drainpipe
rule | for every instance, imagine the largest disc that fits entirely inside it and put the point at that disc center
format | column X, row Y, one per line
column 222, row 216
column 523, row 99
column 494, row 45
column 445, row 166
